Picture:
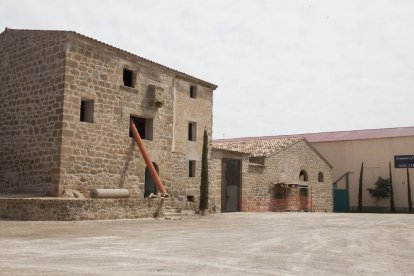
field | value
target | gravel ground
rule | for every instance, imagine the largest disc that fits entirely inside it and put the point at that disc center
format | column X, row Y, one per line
column 224, row 244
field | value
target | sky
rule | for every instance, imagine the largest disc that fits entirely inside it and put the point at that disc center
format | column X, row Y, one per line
column 282, row 67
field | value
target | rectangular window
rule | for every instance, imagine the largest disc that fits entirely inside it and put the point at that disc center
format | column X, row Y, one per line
column 128, row 78
column 193, row 91
column 144, row 127
column 192, row 131
column 86, row 111
column 191, row 168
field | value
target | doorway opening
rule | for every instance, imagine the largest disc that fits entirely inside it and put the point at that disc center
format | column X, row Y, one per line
column 231, row 185
column 150, row 187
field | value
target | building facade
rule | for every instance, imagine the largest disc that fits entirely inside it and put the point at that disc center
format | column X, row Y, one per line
column 376, row 148
column 66, row 105
column 278, row 174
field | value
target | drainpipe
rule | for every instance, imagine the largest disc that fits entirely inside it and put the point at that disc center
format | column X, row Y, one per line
column 147, row 159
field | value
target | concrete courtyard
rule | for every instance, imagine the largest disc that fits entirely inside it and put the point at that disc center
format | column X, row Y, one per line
column 225, row 244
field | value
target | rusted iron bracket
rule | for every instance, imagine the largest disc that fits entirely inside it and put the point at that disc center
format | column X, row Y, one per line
column 150, row 166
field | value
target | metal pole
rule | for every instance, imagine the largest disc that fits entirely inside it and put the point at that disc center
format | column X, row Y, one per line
column 147, row 159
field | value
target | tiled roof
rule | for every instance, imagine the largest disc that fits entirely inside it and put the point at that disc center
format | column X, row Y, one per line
column 257, row 147
column 178, row 73
column 337, row 135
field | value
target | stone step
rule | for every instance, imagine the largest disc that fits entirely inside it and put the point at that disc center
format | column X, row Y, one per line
column 176, row 213
column 174, row 216
column 172, row 210
column 188, row 212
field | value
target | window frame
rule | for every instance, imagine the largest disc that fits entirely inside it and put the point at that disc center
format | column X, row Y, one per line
column 193, row 91
column 148, row 127
column 132, row 76
column 87, row 110
column 192, row 168
column 192, row 131
column 320, row 177
column 305, row 175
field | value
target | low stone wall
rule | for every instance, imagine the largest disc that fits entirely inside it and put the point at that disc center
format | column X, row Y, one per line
column 64, row 209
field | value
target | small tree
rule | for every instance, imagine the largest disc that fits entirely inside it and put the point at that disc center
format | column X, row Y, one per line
column 204, row 176
column 392, row 206
column 382, row 189
column 410, row 202
column 360, row 188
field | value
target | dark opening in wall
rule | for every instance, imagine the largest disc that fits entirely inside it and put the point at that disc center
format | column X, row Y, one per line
column 144, row 127
column 190, row 198
column 191, row 168
column 192, row 131
column 193, row 91
column 86, row 111
column 303, row 175
column 150, row 188
column 320, row 177
column 128, row 78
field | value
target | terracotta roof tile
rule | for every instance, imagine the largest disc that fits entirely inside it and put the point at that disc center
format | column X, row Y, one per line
column 257, row 147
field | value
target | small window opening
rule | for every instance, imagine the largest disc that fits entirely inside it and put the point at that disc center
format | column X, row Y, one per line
column 190, row 198
column 86, row 111
column 128, row 78
column 303, row 175
column 192, row 131
column 320, row 177
column 193, row 91
column 191, row 168
column 144, row 127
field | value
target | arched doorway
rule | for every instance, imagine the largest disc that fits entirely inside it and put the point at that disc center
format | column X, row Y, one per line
column 150, row 187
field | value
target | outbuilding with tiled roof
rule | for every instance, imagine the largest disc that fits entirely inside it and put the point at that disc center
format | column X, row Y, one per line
column 271, row 174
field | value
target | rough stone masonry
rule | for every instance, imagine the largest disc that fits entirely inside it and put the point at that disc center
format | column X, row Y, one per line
column 66, row 103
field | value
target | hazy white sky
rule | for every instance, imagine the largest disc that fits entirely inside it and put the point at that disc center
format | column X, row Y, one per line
column 282, row 67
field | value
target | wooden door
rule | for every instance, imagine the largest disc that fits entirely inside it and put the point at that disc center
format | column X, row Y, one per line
column 232, row 179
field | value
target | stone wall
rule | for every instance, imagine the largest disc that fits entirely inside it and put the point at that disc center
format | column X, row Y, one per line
column 100, row 154
column 63, row 209
column 284, row 167
column 31, row 101
column 258, row 180
column 46, row 148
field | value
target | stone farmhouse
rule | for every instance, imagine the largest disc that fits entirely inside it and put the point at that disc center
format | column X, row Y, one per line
column 66, row 105
column 67, row 102
column 271, row 174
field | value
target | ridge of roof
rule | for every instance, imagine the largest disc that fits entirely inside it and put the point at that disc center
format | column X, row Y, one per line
column 177, row 72
column 333, row 136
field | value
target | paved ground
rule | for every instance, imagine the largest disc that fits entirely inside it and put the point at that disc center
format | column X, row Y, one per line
column 226, row 244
